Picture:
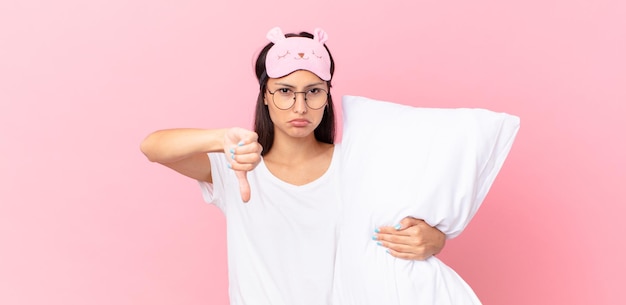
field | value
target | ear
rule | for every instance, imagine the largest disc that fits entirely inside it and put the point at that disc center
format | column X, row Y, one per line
column 320, row 35
column 275, row 35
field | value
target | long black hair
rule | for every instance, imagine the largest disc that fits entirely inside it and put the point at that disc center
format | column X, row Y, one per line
column 263, row 125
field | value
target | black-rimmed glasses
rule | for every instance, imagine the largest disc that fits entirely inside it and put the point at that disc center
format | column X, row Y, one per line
column 285, row 98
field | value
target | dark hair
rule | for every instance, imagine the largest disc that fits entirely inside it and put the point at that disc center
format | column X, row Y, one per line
column 263, row 125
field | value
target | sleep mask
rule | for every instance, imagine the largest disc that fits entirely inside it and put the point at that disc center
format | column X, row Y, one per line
column 289, row 54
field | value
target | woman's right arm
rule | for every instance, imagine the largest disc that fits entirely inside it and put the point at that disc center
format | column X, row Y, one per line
column 185, row 151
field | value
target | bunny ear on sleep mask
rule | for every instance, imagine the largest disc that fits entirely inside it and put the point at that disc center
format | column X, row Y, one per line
column 289, row 54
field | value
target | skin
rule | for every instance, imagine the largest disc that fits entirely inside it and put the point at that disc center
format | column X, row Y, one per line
column 413, row 239
column 296, row 158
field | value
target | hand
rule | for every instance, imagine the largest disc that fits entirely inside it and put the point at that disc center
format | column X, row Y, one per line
column 411, row 239
column 244, row 154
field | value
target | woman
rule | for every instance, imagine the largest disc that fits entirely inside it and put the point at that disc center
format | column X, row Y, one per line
column 281, row 242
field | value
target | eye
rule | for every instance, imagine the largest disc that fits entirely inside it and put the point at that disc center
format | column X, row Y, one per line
column 316, row 91
column 318, row 56
column 284, row 91
column 283, row 56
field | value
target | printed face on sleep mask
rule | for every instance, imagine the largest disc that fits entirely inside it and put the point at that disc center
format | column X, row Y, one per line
column 297, row 53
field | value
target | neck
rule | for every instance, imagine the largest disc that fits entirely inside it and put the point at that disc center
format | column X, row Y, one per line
column 288, row 149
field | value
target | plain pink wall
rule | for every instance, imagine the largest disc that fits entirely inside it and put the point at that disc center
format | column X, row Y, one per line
column 85, row 219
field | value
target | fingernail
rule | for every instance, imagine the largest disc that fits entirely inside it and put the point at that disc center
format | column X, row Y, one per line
column 377, row 230
column 374, row 237
column 229, row 166
column 388, row 251
column 232, row 150
column 232, row 156
column 397, row 227
column 240, row 143
column 379, row 243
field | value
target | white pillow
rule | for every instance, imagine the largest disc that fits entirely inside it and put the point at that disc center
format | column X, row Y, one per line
column 430, row 163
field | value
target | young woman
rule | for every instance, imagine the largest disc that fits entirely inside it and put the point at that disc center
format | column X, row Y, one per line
column 279, row 184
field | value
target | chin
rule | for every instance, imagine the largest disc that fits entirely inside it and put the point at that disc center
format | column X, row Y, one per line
column 300, row 132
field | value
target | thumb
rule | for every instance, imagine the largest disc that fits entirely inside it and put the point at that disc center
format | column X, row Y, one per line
column 406, row 222
column 244, row 186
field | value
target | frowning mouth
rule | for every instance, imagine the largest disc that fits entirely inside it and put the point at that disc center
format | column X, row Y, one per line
column 299, row 122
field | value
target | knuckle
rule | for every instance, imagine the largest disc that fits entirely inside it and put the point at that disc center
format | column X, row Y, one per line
column 417, row 241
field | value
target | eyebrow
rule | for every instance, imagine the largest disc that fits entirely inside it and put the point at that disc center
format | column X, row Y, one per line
column 292, row 86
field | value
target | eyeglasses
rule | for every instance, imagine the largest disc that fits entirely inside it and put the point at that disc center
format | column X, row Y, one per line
column 285, row 98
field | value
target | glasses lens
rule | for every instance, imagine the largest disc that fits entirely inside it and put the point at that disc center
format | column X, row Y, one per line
column 285, row 98
column 316, row 98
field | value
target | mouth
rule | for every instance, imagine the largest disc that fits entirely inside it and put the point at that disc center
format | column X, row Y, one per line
column 299, row 122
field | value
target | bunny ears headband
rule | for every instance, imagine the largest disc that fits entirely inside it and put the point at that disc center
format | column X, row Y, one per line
column 297, row 53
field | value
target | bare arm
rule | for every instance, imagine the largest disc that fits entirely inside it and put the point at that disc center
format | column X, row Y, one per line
column 184, row 150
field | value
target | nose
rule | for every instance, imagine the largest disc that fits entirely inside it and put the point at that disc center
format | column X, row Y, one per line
column 301, row 55
column 300, row 102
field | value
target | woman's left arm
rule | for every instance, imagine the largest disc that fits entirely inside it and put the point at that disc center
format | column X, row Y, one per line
column 411, row 239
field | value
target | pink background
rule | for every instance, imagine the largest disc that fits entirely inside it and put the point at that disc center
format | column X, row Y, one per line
column 86, row 219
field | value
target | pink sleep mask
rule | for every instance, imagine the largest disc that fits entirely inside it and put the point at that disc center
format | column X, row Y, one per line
column 297, row 53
